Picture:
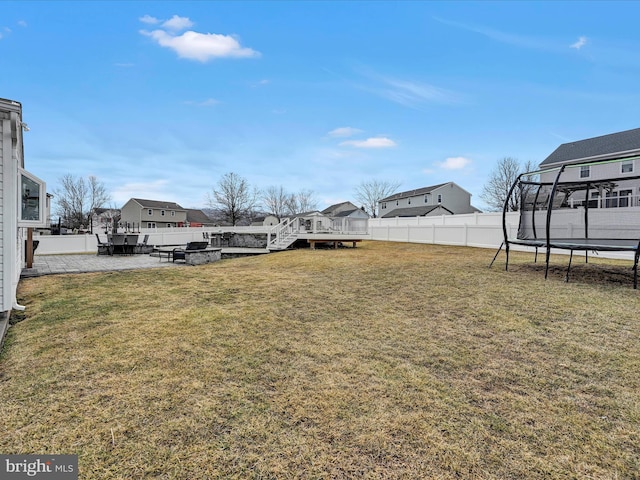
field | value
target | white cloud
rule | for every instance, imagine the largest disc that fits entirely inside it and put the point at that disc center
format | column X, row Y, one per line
column 177, row 23
column 412, row 94
column 344, row 132
column 149, row 19
column 582, row 41
column 22, row 23
column 375, row 142
column 158, row 189
column 123, row 65
column 201, row 46
column 455, row 163
column 209, row 102
column 500, row 36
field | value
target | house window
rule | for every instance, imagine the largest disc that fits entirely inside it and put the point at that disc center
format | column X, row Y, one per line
column 149, row 212
column 585, row 171
column 439, row 198
column 32, row 192
column 162, row 213
column 396, row 203
column 151, row 224
column 426, row 199
column 409, row 202
column 626, row 167
column 173, row 213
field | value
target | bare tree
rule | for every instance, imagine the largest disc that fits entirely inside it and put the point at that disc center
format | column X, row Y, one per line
column 500, row 181
column 276, row 200
column 303, row 201
column 370, row 192
column 97, row 196
column 233, row 199
column 76, row 198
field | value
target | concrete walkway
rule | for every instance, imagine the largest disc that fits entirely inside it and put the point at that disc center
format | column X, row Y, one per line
column 82, row 263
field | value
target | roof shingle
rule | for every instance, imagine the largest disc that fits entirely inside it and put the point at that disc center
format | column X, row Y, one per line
column 611, row 146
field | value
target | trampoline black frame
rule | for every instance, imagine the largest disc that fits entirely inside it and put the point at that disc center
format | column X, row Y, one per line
column 580, row 244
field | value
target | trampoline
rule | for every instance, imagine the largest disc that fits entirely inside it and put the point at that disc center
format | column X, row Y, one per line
column 561, row 210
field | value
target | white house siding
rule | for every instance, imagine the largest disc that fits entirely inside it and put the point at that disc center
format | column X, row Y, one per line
column 454, row 198
column 607, row 170
column 133, row 212
column 10, row 259
column 601, row 172
column 2, row 216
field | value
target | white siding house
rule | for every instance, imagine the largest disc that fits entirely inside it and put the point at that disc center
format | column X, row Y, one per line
column 423, row 201
column 143, row 213
column 23, row 205
column 613, row 178
column 345, row 210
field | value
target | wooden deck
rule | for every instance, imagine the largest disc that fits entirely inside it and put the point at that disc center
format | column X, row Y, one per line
column 333, row 238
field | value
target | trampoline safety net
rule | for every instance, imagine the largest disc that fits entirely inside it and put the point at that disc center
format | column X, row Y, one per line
column 565, row 208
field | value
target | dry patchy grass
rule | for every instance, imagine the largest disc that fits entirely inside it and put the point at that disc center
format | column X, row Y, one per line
column 385, row 361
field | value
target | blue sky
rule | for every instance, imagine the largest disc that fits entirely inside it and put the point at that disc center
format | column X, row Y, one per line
column 160, row 99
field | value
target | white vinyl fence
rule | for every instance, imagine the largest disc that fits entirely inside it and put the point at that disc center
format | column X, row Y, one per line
column 482, row 230
column 471, row 230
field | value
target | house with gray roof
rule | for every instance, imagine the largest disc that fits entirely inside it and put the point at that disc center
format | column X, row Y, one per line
column 450, row 197
column 345, row 210
column 197, row 218
column 610, row 164
column 152, row 214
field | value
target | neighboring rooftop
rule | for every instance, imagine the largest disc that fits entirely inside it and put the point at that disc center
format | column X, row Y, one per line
column 197, row 216
column 613, row 145
column 412, row 193
column 157, row 204
column 414, row 211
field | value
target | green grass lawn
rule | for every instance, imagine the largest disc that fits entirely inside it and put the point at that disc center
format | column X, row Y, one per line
column 384, row 361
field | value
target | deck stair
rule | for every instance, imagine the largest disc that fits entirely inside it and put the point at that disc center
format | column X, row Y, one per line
column 283, row 235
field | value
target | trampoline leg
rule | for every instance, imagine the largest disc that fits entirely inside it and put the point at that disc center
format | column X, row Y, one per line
column 496, row 255
column 535, row 259
column 566, row 279
column 635, row 270
column 506, row 251
column 546, row 268
column 586, row 256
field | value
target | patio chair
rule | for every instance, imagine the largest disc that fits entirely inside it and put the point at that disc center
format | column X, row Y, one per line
column 104, row 248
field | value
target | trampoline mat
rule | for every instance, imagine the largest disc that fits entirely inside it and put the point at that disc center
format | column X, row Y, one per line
column 604, row 244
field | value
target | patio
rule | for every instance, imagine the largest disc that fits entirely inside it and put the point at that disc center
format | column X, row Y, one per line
column 56, row 264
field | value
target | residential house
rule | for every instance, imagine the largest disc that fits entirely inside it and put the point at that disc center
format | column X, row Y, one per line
column 611, row 183
column 103, row 219
column 442, row 199
column 266, row 221
column 23, row 207
column 345, row 210
column 197, row 218
column 138, row 212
